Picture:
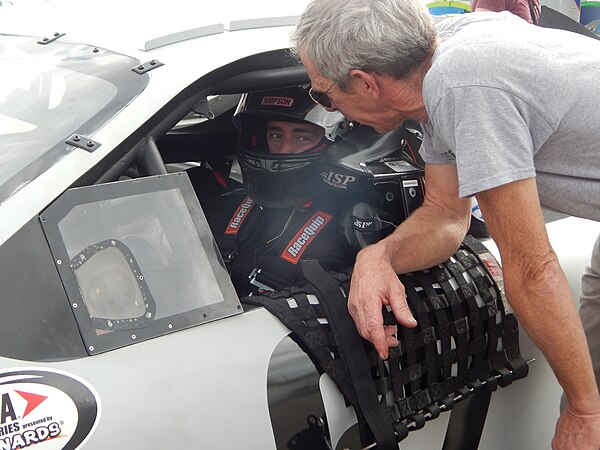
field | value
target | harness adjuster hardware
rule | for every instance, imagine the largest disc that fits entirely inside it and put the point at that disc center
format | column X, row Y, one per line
column 255, row 282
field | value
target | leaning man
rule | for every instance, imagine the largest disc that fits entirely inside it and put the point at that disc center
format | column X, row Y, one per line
column 509, row 113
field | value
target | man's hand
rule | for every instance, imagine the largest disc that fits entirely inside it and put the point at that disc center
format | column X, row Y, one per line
column 575, row 430
column 375, row 284
column 429, row 236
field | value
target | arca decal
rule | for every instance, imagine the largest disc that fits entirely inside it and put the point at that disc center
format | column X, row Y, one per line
column 45, row 409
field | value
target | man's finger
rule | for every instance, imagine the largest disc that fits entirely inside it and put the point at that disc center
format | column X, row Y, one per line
column 401, row 310
column 376, row 334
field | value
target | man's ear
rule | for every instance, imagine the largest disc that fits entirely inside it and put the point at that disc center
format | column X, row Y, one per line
column 365, row 83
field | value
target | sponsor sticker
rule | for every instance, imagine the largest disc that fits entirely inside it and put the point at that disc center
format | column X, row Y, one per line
column 271, row 100
column 363, row 224
column 399, row 165
column 239, row 215
column 339, row 181
column 45, row 409
column 305, row 236
column 491, row 264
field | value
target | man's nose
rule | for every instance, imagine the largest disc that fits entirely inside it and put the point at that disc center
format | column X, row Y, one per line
column 287, row 146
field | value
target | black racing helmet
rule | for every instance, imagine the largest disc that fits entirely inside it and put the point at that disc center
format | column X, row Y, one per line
column 280, row 180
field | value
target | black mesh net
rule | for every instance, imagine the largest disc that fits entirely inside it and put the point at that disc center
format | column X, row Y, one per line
column 465, row 341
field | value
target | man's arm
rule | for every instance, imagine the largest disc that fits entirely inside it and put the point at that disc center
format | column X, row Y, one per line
column 539, row 293
column 431, row 234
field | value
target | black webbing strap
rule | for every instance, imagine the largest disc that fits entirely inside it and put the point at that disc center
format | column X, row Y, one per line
column 317, row 342
column 351, row 346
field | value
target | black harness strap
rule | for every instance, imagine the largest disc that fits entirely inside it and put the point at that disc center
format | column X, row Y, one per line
column 317, row 342
column 351, row 346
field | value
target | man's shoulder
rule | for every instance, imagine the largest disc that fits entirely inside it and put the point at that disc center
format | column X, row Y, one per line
column 477, row 54
column 472, row 22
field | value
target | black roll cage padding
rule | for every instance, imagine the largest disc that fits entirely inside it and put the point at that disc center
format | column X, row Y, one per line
column 150, row 161
column 269, row 70
column 262, row 71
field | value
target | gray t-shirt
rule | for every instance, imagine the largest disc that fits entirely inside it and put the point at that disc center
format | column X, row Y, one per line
column 508, row 101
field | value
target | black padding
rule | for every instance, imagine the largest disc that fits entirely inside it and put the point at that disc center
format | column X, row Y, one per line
column 433, row 410
column 418, row 421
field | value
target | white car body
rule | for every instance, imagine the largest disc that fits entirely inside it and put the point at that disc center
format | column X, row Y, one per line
column 205, row 386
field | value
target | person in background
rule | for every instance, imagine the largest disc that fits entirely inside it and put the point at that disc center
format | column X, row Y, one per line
column 525, row 9
column 493, row 127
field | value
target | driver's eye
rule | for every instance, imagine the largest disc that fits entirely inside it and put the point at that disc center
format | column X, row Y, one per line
column 305, row 138
column 274, row 135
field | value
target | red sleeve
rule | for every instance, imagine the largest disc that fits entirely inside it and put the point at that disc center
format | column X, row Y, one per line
column 517, row 7
column 493, row 5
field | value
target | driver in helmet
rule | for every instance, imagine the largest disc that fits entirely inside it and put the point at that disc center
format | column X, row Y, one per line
column 279, row 216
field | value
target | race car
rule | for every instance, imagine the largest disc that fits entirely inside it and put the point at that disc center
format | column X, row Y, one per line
column 102, row 104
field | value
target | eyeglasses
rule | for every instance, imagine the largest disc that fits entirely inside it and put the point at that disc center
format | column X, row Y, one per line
column 321, row 98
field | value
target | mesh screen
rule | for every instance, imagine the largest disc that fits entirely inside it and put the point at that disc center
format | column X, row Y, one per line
column 108, row 286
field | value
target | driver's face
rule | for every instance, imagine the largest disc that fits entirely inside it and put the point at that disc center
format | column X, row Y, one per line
column 292, row 137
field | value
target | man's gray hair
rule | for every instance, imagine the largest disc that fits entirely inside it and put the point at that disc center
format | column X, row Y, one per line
column 387, row 37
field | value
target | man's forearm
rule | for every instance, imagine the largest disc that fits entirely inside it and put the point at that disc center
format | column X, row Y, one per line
column 427, row 238
column 543, row 303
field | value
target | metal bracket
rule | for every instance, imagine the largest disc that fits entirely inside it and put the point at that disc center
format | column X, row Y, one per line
column 47, row 40
column 202, row 108
column 147, row 66
column 82, row 142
